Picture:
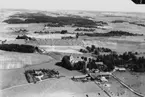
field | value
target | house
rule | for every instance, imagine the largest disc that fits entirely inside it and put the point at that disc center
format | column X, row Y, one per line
column 100, row 66
column 103, row 79
column 120, row 68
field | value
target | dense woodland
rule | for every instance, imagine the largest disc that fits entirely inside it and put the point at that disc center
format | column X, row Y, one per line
column 42, row 18
column 19, row 48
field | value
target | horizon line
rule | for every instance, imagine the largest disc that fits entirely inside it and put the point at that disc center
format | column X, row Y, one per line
column 48, row 10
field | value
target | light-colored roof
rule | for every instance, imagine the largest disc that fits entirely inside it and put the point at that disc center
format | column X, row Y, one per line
column 101, row 63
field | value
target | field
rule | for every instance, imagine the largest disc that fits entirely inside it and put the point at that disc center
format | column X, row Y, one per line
column 13, row 64
column 134, row 80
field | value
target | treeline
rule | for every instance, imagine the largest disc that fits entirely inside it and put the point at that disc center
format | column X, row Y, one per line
column 138, row 24
column 134, row 23
column 41, row 32
column 95, row 50
column 19, row 48
column 80, row 29
column 119, row 21
column 47, row 32
column 112, row 33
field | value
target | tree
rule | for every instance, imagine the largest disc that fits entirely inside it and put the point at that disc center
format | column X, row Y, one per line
column 63, row 32
column 77, row 35
column 96, row 52
column 88, row 48
column 93, row 48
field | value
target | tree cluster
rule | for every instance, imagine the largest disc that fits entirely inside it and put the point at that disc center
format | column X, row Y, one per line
column 95, row 50
column 25, row 37
column 64, row 32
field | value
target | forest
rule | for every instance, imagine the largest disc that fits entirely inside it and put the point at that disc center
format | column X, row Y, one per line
column 52, row 21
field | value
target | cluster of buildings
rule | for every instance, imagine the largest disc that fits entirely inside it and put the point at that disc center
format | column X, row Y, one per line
column 32, row 76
